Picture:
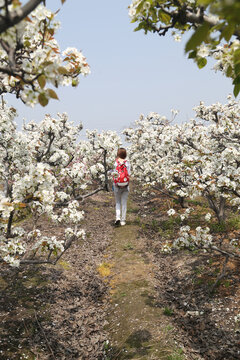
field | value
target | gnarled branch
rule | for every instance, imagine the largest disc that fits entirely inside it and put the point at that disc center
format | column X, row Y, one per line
column 14, row 17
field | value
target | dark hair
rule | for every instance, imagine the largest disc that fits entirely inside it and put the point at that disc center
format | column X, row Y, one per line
column 122, row 153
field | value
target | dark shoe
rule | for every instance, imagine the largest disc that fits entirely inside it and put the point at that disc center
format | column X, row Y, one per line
column 117, row 223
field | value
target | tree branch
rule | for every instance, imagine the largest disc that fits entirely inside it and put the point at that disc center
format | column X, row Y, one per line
column 14, row 17
column 224, row 252
column 184, row 15
column 82, row 197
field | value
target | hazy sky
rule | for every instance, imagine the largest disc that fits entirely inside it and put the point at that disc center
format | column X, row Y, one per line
column 131, row 73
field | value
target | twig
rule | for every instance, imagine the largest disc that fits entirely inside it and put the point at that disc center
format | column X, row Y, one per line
column 36, row 262
column 41, row 328
column 226, row 253
column 223, row 273
column 82, row 197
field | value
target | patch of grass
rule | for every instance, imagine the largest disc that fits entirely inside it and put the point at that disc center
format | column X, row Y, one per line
column 177, row 355
column 211, row 282
column 64, row 264
column 128, row 246
column 169, row 327
column 155, row 225
column 106, row 345
column 199, row 270
column 167, row 224
column 143, row 226
column 210, row 262
column 216, row 271
column 138, row 220
column 196, row 202
column 233, row 223
column 167, row 234
column 195, row 251
column 132, row 210
column 227, row 283
column 167, row 311
column 198, row 281
column 218, row 227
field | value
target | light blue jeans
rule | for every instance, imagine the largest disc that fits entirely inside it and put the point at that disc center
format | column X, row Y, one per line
column 121, row 196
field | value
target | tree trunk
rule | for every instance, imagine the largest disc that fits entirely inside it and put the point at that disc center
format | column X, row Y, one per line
column 181, row 201
column 222, row 204
column 9, row 226
column 106, row 186
column 218, row 209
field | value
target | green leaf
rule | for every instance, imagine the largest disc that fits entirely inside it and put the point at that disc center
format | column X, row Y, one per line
column 236, row 56
column 237, row 69
column 165, row 18
column 62, row 70
column 41, row 81
column 43, row 100
column 192, row 54
column 201, row 62
column 46, row 63
column 204, row 2
column 227, row 32
column 236, row 90
column 16, row 2
column 139, row 27
column 217, row 27
column 229, row 71
column 236, row 81
column 198, row 37
column 27, row 43
column 51, row 31
column 52, row 94
column 74, row 83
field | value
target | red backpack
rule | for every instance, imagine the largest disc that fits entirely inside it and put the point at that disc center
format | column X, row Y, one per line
column 123, row 177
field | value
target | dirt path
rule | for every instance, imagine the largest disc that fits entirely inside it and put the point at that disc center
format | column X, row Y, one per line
column 137, row 327
column 115, row 296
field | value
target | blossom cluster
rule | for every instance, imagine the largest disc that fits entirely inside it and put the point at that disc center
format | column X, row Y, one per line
column 99, row 153
column 196, row 158
column 32, row 60
column 46, row 170
column 215, row 32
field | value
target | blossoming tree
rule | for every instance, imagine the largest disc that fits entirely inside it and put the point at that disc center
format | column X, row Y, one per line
column 215, row 26
column 45, row 171
column 31, row 62
column 191, row 160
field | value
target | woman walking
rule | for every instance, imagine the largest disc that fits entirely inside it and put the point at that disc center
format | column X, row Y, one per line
column 121, row 175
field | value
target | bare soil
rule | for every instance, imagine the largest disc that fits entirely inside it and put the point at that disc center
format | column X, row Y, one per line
column 58, row 312
column 204, row 319
column 116, row 296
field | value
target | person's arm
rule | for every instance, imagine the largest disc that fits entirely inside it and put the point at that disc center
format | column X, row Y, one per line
column 128, row 165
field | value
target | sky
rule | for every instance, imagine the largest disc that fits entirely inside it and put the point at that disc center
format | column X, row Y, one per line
column 131, row 73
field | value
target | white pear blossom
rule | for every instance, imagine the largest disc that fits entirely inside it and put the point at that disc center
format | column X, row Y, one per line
column 36, row 60
column 171, row 212
column 208, row 216
column 203, row 51
column 177, row 37
column 197, row 158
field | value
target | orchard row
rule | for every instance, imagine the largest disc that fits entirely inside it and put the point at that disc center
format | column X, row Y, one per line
column 45, row 170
